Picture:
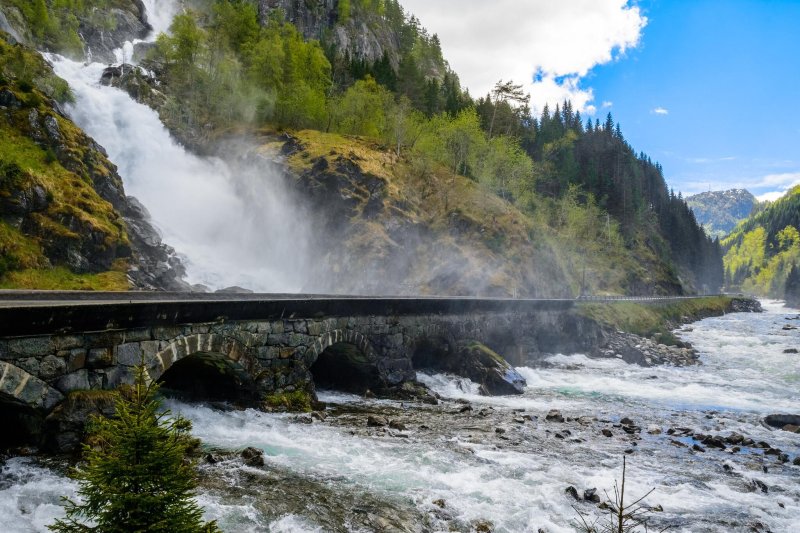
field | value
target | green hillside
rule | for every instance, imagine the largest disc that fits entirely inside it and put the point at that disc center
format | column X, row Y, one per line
column 761, row 250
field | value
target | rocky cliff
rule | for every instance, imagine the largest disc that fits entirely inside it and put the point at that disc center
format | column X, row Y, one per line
column 365, row 35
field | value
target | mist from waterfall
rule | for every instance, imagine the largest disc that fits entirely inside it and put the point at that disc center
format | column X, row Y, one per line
column 160, row 14
column 231, row 225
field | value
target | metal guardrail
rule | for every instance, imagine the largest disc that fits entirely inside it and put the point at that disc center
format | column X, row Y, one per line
column 600, row 298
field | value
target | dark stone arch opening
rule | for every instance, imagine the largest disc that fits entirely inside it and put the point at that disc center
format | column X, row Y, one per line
column 208, row 377
column 21, row 424
column 434, row 353
column 344, row 367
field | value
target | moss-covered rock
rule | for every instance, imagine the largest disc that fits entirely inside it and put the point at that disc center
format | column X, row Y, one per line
column 65, row 428
column 296, row 401
column 484, row 366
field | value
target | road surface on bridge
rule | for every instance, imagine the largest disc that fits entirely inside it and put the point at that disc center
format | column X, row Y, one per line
column 45, row 312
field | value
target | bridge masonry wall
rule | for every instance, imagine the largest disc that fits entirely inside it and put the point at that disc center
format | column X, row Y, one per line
column 276, row 353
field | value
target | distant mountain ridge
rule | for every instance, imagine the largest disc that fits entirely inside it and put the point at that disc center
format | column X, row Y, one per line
column 719, row 211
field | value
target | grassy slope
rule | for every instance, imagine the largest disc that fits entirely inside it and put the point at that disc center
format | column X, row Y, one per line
column 497, row 245
column 650, row 319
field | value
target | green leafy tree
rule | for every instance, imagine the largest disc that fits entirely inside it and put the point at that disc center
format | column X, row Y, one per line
column 136, row 476
column 361, row 110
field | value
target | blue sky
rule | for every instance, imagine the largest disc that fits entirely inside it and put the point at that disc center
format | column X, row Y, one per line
column 726, row 75
column 709, row 88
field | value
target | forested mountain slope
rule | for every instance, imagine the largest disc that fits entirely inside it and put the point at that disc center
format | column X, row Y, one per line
column 719, row 211
column 426, row 189
column 761, row 251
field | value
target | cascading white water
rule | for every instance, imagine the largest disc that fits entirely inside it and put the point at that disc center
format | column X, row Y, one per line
column 160, row 14
column 232, row 227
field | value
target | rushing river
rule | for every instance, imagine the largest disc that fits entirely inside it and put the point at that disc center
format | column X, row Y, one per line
column 340, row 475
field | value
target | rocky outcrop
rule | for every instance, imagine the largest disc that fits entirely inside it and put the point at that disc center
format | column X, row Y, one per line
column 634, row 349
column 140, row 84
column 364, row 36
column 154, row 265
column 103, row 32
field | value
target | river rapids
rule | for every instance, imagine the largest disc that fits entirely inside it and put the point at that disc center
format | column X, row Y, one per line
column 474, row 461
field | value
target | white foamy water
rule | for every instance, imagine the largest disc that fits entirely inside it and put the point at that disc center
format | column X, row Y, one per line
column 744, row 374
column 30, row 496
column 160, row 14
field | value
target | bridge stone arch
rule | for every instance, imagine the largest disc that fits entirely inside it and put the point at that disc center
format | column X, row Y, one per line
column 18, row 385
column 345, row 360
column 206, row 366
column 201, row 343
column 337, row 336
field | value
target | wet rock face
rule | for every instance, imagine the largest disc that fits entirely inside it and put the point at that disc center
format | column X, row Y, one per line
column 102, row 33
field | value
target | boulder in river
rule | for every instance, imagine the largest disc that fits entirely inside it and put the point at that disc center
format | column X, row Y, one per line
column 780, row 421
column 554, row 416
column 376, row 421
column 253, row 456
column 484, row 366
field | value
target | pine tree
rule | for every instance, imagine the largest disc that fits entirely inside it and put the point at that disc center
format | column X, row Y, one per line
column 136, row 476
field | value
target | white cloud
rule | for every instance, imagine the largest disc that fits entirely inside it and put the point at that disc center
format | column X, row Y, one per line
column 558, row 42
column 770, row 196
column 607, row 104
column 661, row 111
column 787, row 180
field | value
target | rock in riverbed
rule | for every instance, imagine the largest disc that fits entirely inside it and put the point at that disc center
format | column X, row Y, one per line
column 783, row 421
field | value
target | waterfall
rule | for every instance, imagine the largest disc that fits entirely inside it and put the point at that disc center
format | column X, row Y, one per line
column 231, row 226
column 160, row 14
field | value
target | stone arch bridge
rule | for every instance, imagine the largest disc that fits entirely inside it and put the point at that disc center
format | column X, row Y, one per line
column 54, row 343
